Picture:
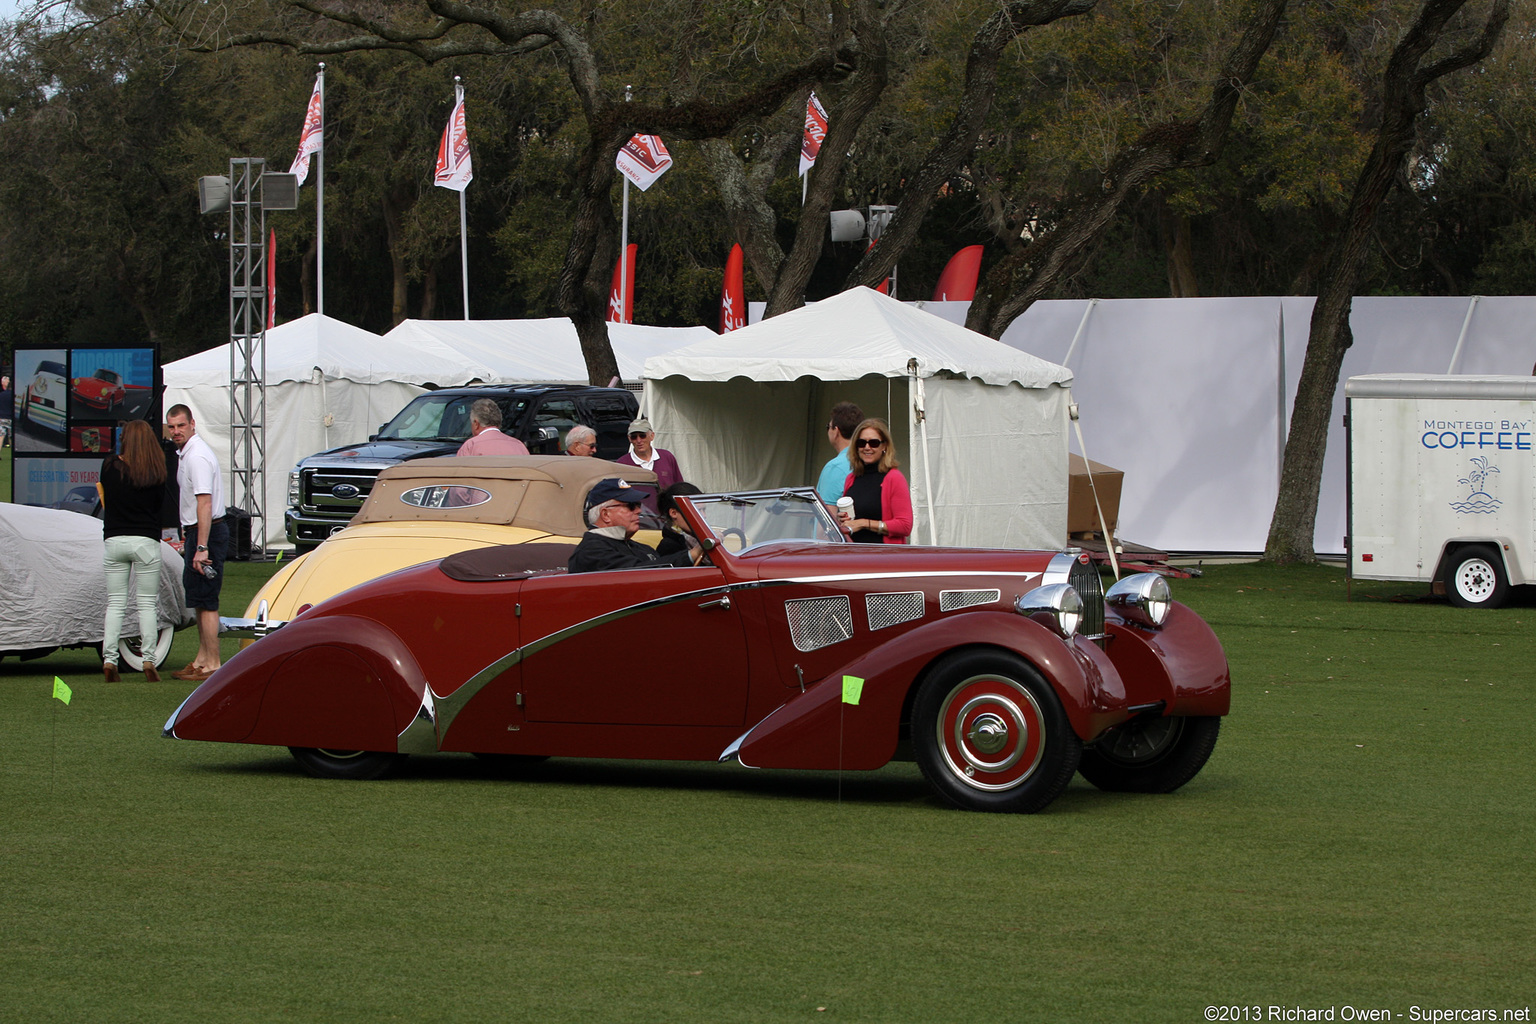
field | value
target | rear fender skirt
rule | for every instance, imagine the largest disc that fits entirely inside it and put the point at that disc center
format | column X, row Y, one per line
column 337, row 681
column 1181, row 664
column 817, row 729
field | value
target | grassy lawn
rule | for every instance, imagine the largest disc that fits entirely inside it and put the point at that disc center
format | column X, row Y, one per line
column 1362, row 837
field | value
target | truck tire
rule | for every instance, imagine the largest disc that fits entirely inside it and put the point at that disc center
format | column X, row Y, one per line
column 1475, row 578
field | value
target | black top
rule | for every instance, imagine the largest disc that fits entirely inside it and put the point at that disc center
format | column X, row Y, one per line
column 597, row 553
column 129, row 511
column 865, row 492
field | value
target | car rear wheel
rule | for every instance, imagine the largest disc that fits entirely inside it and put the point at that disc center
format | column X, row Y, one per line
column 991, row 735
column 346, row 764
column 1150, row 755
column 1476, row 579
column 129, row 649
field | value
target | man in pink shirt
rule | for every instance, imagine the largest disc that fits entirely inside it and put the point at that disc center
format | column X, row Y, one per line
column 485, row 436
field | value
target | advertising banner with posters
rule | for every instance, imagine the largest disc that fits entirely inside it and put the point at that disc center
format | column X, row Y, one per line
column 70, row 407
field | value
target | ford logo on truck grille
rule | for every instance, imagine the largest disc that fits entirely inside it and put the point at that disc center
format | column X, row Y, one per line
column 346, row 492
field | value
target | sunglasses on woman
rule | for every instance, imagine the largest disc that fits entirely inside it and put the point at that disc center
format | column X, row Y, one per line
column 870, row 442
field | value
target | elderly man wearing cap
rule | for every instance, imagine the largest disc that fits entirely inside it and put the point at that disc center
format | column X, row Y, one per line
column 613, row 516
column 644, row 454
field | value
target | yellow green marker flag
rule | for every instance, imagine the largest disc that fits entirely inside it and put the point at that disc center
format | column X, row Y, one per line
column 61, row 691
column 853, row 689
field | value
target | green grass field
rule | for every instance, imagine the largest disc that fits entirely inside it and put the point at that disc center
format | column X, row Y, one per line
column 1362, row 838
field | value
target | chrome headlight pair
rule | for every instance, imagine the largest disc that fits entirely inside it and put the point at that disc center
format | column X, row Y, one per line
column 1143, row 599
column 293, row 489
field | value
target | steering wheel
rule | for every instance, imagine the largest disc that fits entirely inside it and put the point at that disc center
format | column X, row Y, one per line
column 727, row 534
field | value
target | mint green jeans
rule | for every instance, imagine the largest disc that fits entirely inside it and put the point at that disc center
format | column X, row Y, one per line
column 139, row 556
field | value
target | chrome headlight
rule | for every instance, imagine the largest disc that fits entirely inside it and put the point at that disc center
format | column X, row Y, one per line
column 1056, row 606
column 1143, row 599
column 293, row 489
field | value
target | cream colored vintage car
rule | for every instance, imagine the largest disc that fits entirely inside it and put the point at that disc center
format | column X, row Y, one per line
column 429, row 509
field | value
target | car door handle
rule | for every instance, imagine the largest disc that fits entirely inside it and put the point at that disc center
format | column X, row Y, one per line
column 723, row 602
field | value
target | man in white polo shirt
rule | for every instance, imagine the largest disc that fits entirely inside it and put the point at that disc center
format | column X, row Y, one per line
column 205, row 536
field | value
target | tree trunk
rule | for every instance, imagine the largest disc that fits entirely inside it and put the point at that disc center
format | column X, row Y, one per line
column 307, row 274
column 1177, row 244
column 429, row 285
column 1295, row 519
column 398, row 305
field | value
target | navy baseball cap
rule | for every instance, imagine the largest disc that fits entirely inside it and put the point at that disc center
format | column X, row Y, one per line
column 614, row 489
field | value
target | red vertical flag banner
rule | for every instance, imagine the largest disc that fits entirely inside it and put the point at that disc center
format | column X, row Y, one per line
column 271, row 280
column 958, row 282
column 733, row 299
column 621, row 308
column 815, row 132
column 312, row 138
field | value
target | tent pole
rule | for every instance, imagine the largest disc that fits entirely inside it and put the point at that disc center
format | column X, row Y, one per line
column 1082, row 325
column 1461, row 339
column 920, row 420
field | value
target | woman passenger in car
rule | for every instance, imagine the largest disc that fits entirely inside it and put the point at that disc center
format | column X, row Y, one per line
column 882, row 502
column 676, row 534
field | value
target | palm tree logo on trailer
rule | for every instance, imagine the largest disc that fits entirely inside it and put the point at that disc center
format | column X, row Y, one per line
column 1479, row 501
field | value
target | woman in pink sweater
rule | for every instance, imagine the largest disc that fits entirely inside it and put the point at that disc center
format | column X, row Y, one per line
column 882, row 502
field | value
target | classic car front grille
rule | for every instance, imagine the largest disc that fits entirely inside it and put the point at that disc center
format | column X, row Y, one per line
column 318, row 495
column 955, row 600
column 1089, row 585
column 893, row 609
column 817, row 622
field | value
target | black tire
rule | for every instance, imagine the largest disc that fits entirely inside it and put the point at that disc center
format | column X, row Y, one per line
column 23, row 411
column 1150, row 755
column 991, row 735
column 1476, row 577
column 345, row 764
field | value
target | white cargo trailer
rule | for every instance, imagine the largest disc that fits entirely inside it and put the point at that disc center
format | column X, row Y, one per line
column 1442, row 486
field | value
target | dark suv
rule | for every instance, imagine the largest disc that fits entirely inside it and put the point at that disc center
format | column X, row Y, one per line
column 326, row 490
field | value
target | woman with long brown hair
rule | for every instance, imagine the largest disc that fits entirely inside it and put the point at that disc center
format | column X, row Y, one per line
column 882, row 502
column 132, row 494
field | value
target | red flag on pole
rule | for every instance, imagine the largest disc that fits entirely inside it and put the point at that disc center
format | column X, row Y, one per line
column 312, row 138
column 271, row 280
column 454, row 167
column 958, row 282
column 643, row 159
column 622, row 310
column 815, row 132
column 733, row 299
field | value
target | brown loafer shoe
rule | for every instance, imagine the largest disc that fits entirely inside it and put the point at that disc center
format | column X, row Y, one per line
column 150, row 672
column 109, row 673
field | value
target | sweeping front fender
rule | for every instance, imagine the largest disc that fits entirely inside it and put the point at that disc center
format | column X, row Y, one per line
column 816, row 729
column 1180, row 664
column 333, row 681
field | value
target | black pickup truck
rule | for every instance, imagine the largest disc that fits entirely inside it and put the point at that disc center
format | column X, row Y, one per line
column 325, row 490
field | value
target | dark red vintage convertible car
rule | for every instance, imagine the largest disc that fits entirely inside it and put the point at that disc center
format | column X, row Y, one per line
column 1001, row 672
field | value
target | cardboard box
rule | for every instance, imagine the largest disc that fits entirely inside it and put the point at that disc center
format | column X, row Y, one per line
column 1082, row 517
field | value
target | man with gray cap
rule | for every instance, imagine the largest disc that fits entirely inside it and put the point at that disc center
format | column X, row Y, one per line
column 644, row 454
column 613, row 515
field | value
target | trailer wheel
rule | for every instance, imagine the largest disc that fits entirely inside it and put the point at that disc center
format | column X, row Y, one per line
column 1476, row 578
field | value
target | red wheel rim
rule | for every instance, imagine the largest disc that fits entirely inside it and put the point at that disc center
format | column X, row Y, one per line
column 992, row 733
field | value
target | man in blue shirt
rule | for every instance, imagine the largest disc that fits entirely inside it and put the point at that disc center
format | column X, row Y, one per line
column 845, row 418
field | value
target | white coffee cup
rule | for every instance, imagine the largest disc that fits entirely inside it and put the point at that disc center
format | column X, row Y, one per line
column 845, row 507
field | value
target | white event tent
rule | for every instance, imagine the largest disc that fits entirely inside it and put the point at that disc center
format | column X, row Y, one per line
column 328, row 384
column 980, row 428
column 543, row 351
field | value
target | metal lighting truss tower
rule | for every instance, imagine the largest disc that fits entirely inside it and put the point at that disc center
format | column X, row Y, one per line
column 247, row 345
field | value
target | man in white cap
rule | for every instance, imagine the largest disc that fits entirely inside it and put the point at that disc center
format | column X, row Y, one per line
column 646, row 455
column 613, row 515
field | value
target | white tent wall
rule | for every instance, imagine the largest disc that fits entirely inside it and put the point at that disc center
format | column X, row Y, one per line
column 1188, row 396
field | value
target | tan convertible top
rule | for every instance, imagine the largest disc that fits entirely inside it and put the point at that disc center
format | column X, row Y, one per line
column 538, row 492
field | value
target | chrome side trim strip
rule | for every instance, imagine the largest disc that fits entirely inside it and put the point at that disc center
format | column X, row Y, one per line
column 420, row 736
column 168, row 731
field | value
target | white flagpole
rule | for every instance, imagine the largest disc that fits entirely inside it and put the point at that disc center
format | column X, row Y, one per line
column 320, row 207
column 624, row 236
column 458, row 98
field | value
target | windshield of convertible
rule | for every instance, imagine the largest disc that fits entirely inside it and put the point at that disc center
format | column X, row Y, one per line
column 743, row 521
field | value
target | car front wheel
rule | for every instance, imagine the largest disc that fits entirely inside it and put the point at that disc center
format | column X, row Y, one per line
column 346, row 764
column 991, row 735
column 1476, row 579
column 1150, row 755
